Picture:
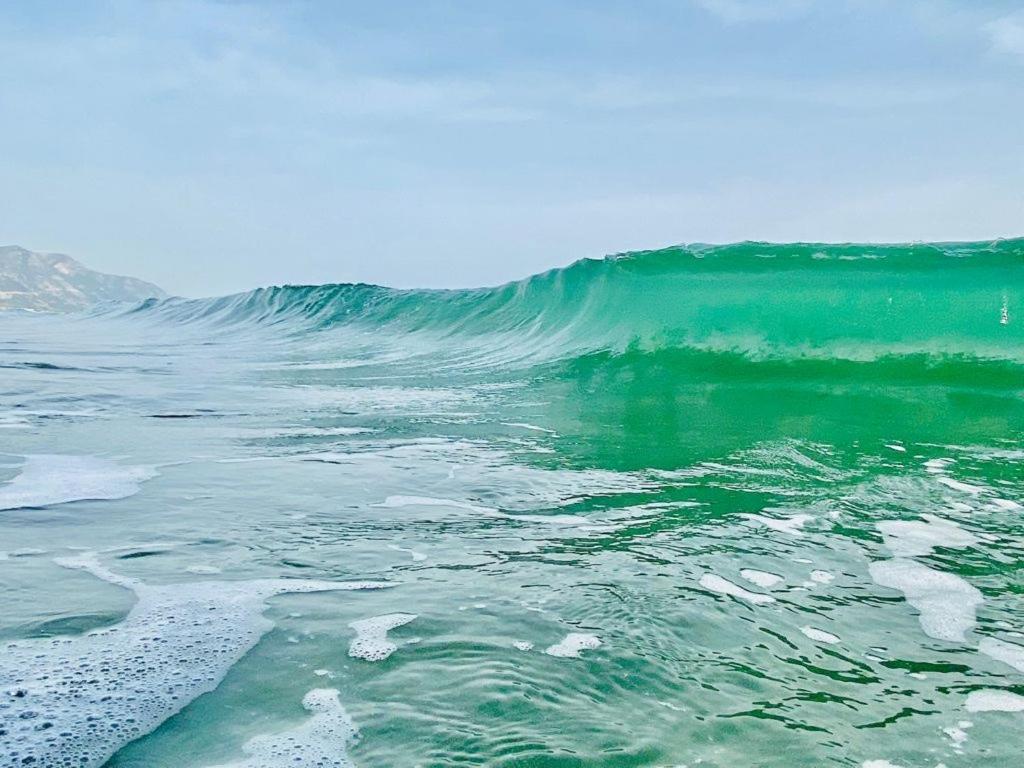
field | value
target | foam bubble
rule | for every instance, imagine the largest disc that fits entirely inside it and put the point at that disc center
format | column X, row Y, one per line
column 946, row 602
column 47, row 479
column 911, row 538
column 573, row 644
column 821, row 577
column 76, row 700
column 725, row 587
column 879, row 764
column 763, row 579
column 989, row 700
column 523, row 645
column 371, row 642
column 320, row 741
column 820, row 635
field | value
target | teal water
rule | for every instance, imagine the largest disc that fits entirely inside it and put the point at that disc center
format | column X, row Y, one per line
column 749, row 505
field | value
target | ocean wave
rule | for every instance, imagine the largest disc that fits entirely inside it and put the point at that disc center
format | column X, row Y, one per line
column 758, row 300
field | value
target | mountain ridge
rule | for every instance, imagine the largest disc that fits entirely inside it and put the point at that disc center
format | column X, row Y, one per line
column 55, row 282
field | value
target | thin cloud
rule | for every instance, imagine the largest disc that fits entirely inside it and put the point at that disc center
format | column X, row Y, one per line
column 746, row 11
column 1007, row 35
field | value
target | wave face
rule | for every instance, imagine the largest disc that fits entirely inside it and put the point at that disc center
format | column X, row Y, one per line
column 759, row 300
column 710, row 505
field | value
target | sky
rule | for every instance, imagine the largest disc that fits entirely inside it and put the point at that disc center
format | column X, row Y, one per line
column 213, row 146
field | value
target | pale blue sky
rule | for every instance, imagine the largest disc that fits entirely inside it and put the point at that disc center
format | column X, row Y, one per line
column 215, row 146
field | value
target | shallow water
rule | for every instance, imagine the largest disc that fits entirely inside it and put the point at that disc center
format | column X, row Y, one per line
column 747, row 506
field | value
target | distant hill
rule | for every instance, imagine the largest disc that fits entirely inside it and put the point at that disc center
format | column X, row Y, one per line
column 53, row 282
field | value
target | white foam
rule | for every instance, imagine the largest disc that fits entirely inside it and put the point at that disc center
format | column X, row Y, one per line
column 725, row 587
column 879, row 764
column 946, row 603
column 523, row 645
column 990, row 700
column 1007, row 653
column 937, row 466
column 1007, row 504
column 821, row 577
column 958, row 734
column 417, row 557
column 371, row 642
column 394, row 502
column 791, row 525
column 397, row 502
column 531, row 427
column 913, row 538
column 320, row 741
column 573, row 644
column 956, row 485
column 763, row 579
column 203, row 569
column 896, row 447
column 820, row 635
column 110, row 686
column 47, row 479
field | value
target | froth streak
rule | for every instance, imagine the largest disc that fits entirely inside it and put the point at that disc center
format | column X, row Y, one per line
column 72, row 702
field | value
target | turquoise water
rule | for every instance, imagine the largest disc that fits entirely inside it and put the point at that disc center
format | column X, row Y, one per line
column 750, row 505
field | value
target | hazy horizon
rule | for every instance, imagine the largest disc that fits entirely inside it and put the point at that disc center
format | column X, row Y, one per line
column 520, row 278
column 211, row 147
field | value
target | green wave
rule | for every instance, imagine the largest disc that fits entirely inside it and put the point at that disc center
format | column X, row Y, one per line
column 759, row 300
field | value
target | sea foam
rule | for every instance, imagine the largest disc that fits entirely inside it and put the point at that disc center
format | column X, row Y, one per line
column 573, row 644
column 910, row 538
column 320, row 741
column 723, row 586
column 946, row 603
column 371, row 642
column 47, row 479
column 990, row 700
column 75, row 700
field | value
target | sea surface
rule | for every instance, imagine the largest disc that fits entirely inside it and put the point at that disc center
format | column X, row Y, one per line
column 747, row 505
